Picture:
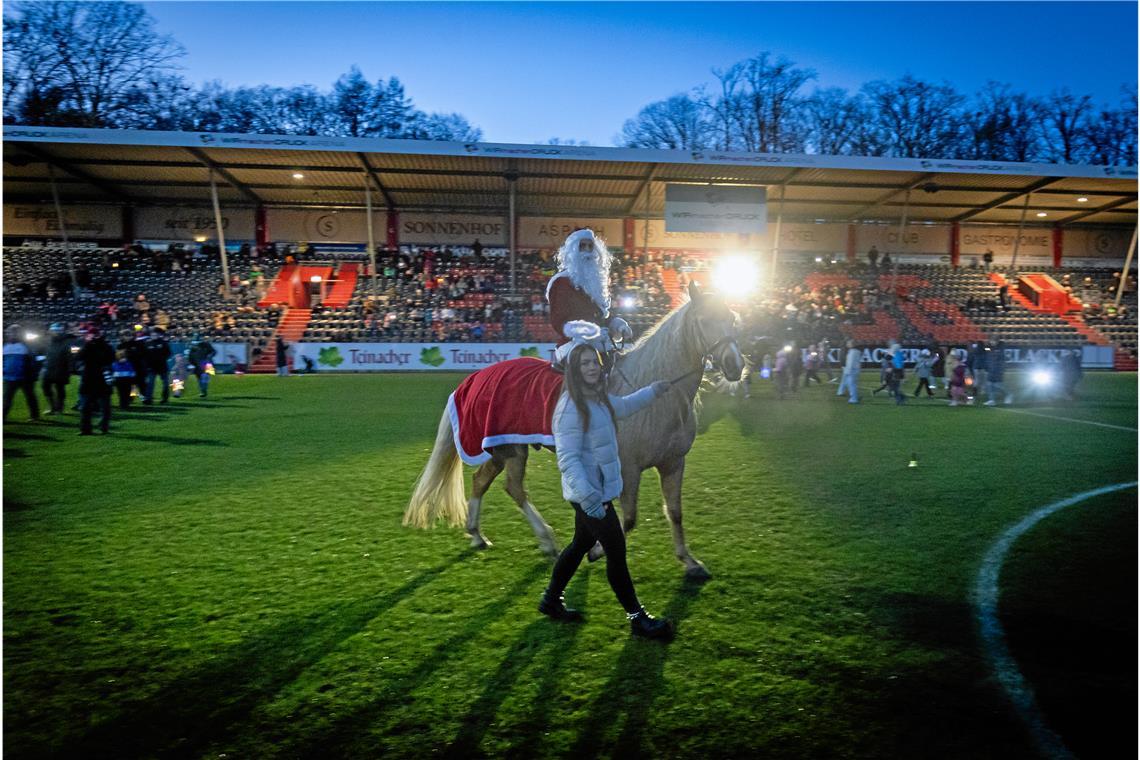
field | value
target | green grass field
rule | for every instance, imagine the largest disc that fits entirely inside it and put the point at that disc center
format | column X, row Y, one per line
column 230, row 578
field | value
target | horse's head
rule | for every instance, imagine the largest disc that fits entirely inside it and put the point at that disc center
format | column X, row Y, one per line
column 713, row 329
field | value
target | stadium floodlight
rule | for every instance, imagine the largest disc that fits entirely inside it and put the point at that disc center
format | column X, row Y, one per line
column 1041, row 378
column 736, row 276
column 628, row 302
column 30, row 336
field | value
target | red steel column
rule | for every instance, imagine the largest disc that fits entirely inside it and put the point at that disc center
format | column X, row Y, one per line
column 851, row 237
column 1058, row 246
column 627, row 237
column 393, row 229
column 260, row 227
column 955, row 244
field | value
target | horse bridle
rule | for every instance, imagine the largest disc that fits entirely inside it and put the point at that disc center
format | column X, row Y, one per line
column 707, row 356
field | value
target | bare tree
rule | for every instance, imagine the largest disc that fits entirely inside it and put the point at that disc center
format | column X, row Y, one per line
column 916, row 119
column 84, row 58
column 1002, row 125
column 441, row 126
column 677, row 123
column 760, row 100
column 834, row 121
column 1064, row 113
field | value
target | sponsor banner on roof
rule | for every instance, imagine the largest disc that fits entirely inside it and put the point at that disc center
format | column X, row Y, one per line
column 363, row 357
column 15, row 133
column 192, row 223
column 715, row 208
column 81, row 221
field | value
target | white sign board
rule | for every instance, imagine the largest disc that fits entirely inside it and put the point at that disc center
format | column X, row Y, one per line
column 551, row 232
column 453, row 229
column 190, row 223
column 325, row 226
column 81, row 221
column 888, row 238
column 697, row 241
column 363, row 357
column 716, row 208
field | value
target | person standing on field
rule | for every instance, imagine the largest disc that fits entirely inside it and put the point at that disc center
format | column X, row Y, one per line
column 850, row 380
column 585, row 439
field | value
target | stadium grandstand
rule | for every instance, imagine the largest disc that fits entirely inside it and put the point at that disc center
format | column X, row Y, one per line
column 328, row 241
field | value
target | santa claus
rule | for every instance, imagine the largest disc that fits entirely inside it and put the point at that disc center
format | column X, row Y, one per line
column 579, row 295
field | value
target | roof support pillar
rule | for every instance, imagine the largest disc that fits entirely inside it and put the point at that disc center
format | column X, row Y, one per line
column 511, row 180
column 1058, row 245
column 1020, row 227
column 776, row 237
column 852, row 236
column 1127, row 266
column 955, row 244
column 221, row 234
column 393, row 229
column 128, row 216
column 63, row 232
column 628, row 236
column 371, row 237
column 260, row 227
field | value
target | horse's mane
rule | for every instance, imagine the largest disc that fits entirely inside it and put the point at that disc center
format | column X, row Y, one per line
column 659, row 354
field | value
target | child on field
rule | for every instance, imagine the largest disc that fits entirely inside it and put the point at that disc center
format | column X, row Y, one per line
column 123, row 373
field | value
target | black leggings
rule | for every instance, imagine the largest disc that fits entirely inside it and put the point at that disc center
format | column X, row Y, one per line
column 606, row 531
column 923, row 382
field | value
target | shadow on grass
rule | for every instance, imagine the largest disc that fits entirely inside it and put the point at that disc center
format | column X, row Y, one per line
column 632, row 688
column 542, row 635
column 170, row 439
column 15, row 454
column 29, row 437
column 349, row 735
column 185, row 717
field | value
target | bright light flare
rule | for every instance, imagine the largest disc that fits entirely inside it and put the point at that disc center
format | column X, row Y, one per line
column 628, row 302
column 30, row 336
column 736, row 276
column 1041, row 378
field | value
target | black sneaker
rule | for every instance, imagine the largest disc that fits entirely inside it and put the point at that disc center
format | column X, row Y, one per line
column 648, row 627
column 556, row 609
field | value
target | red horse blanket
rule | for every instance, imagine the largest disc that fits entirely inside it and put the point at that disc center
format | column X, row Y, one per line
column 508, row 402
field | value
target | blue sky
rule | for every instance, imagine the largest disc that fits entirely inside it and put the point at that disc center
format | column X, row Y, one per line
column 525, row 71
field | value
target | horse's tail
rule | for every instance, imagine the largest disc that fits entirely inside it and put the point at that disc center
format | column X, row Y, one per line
column 439, row 491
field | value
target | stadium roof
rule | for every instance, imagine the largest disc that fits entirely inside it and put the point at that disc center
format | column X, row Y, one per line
column 163, row 168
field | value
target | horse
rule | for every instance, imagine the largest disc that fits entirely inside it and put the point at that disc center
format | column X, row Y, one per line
column 660, row 437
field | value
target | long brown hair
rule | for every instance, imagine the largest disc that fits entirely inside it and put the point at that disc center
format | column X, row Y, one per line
column 580, row 392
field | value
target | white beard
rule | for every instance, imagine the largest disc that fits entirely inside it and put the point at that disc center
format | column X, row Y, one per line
column 592, row 278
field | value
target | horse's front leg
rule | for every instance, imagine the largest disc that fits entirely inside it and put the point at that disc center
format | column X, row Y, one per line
column 516, row 472
column 630, row 485
column 672, row 474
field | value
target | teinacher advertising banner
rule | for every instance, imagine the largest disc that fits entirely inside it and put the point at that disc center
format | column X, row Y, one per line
column 364, row 357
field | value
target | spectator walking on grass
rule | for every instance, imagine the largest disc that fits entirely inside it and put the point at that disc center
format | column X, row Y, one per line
column 958, row 384
column 898, row 373
column 938, row 368
column 199, row 359
column 850, row 380
column 585, row 435
column 95, row 381
column 886, row 370
column 19, row 372
column 922, row 369
column 123, row 373
column 57, row 368
column 157, row 354
column 997, row 377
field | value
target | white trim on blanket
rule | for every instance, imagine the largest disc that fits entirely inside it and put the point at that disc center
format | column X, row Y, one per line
column 491, row 440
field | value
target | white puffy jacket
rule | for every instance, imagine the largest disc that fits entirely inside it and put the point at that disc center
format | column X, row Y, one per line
column 588, row 460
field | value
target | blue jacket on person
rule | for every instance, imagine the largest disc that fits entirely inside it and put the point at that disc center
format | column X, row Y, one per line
column 18, row 361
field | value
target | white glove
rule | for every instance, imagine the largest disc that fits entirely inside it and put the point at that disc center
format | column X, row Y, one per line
column 594, row 508
column 621, row 328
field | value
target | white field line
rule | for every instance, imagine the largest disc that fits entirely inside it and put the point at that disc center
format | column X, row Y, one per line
column 1067, row 419
column 993, row 636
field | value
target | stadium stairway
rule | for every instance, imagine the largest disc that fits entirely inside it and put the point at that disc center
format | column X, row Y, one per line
column 290, row 329
column 672, row 286
column 1077, row 322
column 343, row 286
column 278, row 291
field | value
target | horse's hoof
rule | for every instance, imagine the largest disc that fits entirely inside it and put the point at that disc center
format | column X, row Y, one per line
column 697, row 573
column 478, row 542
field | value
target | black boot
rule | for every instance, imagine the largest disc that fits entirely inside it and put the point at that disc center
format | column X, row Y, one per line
column 649, row 627
column 555, row 608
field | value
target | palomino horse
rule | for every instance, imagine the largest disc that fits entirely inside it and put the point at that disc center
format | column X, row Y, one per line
column 676, row 350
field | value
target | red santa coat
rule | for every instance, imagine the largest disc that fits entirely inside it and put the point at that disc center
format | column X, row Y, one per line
column 568, row 303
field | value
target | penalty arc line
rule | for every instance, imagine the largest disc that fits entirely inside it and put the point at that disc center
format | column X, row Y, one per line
column 1069, row 419
column 994, row 644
